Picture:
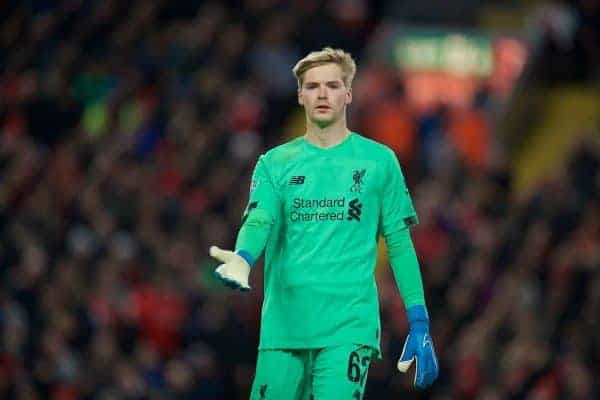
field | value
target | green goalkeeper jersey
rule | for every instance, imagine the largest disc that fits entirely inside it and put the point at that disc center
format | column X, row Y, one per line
column 326, row 209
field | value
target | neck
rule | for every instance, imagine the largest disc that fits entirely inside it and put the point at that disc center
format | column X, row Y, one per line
column 327, row 136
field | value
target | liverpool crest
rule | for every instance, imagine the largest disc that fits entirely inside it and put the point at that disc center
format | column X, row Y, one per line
column 358, row 177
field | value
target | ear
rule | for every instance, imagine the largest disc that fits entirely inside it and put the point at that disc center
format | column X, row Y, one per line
column 349, row 96
column 300, row 97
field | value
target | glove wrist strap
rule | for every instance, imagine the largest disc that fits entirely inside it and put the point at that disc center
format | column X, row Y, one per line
column 418, row 318
column 246, row 256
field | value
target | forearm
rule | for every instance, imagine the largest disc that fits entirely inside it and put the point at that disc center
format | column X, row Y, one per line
column 405, row 267
column 252, row 238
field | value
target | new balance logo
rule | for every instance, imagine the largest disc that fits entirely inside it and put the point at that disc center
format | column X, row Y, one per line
column 355, row 210
column 297, row 180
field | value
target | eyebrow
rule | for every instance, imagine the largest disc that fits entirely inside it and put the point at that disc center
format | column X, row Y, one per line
column 327, row 82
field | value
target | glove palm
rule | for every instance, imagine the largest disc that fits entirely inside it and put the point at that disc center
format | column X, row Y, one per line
column 234, row 270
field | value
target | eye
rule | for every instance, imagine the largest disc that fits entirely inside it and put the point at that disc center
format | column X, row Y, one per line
column 334, row 85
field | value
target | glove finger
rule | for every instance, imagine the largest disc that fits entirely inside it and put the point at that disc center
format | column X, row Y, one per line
column 436, row 366
column 431, row 368
column 220, row 270
column 421, row 373
column 230, row 283
column 423, row 376
column 222, row 273
column 418, row 375
column 219, row 275
column 220, row 254
column 403, row 366
column 427, row 380
column 226, row 281
column 423, row 382
column 243, row 285
column 428, row 370
column 408, row 355
column 230, row 280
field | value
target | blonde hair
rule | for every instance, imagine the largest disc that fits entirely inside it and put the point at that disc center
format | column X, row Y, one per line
column 326, row 56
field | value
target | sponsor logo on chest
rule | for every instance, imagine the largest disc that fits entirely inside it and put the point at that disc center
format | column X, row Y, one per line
column 325, row 208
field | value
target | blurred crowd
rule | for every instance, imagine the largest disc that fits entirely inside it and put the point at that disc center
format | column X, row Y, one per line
column 569, row 36
column 128, row 131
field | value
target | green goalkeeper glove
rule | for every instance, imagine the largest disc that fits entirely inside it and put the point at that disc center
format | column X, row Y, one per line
column 235, row 267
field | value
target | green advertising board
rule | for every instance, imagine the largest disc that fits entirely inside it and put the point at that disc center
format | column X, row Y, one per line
column 434, row 50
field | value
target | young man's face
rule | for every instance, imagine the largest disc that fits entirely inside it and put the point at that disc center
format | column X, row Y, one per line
column 324, row 95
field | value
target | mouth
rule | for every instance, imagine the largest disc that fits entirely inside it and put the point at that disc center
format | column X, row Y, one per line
column 323, row 108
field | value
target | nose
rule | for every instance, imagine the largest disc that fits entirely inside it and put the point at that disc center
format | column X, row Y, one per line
column 322, row 92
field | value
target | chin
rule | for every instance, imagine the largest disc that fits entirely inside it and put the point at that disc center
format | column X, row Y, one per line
column 323, row 118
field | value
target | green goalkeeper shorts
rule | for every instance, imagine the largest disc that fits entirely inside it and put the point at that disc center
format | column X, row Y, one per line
column 330, row 373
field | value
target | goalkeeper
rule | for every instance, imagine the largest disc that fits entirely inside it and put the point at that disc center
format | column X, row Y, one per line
column 317, row 207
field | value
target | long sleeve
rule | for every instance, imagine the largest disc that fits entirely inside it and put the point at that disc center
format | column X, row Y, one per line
column 397, row 215
column 263, row 210
column 405, row 267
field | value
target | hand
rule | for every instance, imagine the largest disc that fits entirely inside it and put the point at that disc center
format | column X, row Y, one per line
column 234, row 270
column 418, row 347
